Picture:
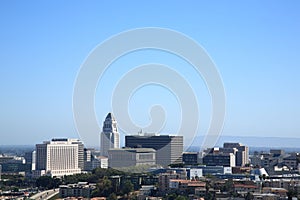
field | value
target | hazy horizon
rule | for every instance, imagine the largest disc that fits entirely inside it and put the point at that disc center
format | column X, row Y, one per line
column 251, row 141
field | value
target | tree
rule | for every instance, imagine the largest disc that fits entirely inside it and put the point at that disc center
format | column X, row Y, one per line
column 228, row 186
column 175, row 165
column 48, row 182
column 249, row 196
column 172, row 196
column 56, row 182
column 181, row 198
column 104, row 187
column 127, row 187
column 292, row 193
column 112, row 196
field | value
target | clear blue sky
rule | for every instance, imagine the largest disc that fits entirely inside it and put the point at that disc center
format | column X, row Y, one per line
column 255, row 45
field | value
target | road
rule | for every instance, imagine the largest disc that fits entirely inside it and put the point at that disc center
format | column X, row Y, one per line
column 44, row 195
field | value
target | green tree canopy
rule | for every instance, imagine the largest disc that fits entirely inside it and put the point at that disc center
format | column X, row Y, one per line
column 112, row 196
column 48, row 182
column 127, row 187
column 104, row 187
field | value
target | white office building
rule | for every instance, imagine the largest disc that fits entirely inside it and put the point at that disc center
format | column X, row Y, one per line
column 59, row 157
column 33, row 162
column 110, row 137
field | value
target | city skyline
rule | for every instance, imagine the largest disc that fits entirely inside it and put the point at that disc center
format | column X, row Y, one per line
column 255, row 47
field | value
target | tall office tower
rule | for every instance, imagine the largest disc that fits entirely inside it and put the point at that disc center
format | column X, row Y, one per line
column 110, row 136
column 59, row 157
column 168, row 148
column 242, row 154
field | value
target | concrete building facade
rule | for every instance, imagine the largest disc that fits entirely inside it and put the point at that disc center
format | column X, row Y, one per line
column 242, row 154
column 110, row 137
column 81, row 189
column 190, row 158
column 169, row 148
column 60, row 157
column 220, row 159
column 128, row 157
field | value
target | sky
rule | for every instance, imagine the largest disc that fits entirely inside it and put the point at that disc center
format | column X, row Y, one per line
column 254, row 44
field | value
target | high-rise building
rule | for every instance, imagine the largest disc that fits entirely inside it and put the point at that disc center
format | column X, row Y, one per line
column 109, row 136
column 168, row 148
column 242, row 153
column 59, row 157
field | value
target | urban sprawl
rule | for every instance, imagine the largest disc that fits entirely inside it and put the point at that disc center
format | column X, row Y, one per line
column 150, row 166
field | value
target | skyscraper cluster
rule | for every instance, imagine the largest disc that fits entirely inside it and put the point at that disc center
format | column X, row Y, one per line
column 60, row 157
column 139, row 149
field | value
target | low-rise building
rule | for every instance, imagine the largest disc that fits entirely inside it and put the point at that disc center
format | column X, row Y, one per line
column 291, row 161
column 186, row 186
column 128, row 157
column 164, row 179
column 245, row 188
column 194, row 173
column 81, row 189
column 103, row 162
column 265, row 196
column 286, row 183
column 277, row 191
column 146, row 191
column 190, row 158
column 217, row 158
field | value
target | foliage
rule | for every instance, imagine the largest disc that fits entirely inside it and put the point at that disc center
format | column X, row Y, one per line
column 104, row 188
column 228, row 186
column 92, row 177
column 181, row 198
column 172, row 196
column 249, row 196
column 100, row 173
column 112, row 196
column 210, row 176
column 176, row 165
column 127, row 187
column 85, row 177
column 48, row 182
column 292, row 193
